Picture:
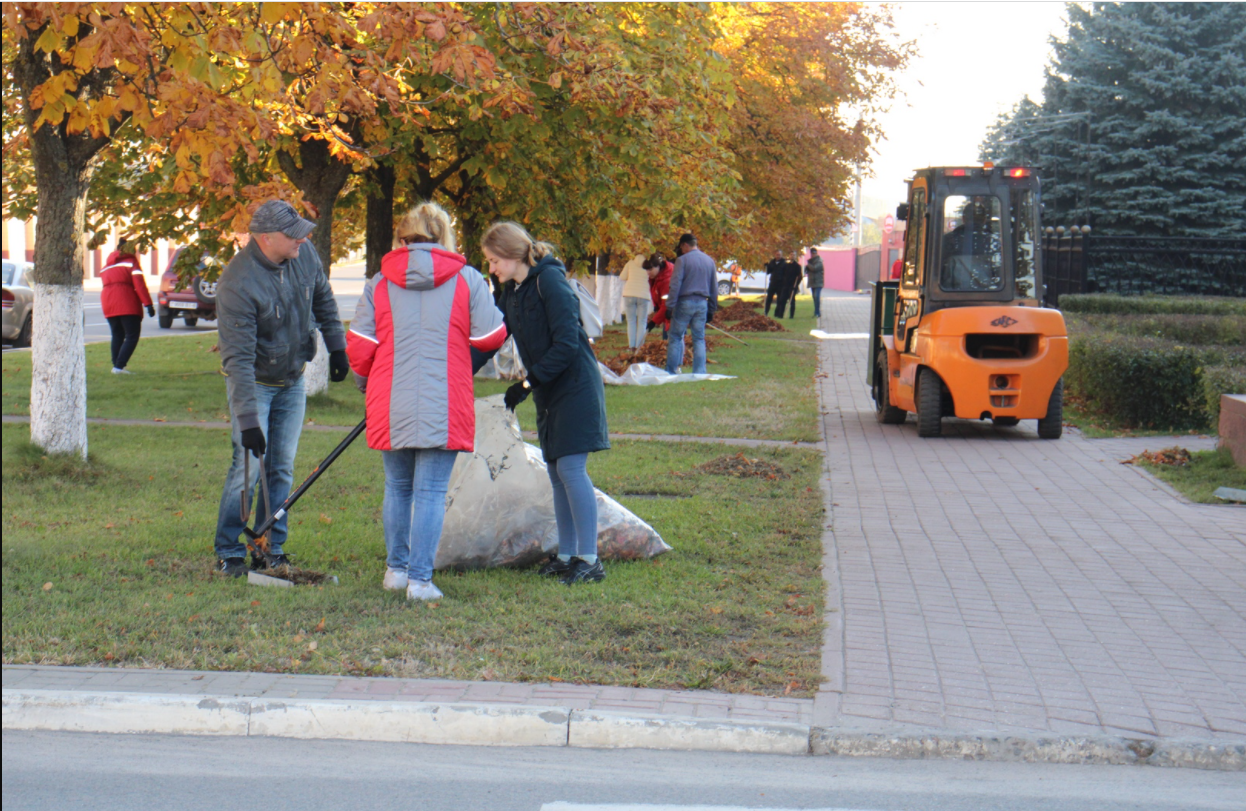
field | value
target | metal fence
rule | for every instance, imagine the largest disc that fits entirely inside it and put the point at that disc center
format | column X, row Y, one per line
column 1076, row 261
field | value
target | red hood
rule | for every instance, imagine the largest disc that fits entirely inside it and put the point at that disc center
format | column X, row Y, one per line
column 421, row 266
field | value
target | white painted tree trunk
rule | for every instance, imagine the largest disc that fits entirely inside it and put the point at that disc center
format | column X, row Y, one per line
column 58, row 364
column 609, row 294
column 316, row 375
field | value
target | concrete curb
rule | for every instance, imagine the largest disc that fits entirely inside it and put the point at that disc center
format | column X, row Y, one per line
column 601, row 730
column 467, row 724
column 395, row 721
column 1033, row 748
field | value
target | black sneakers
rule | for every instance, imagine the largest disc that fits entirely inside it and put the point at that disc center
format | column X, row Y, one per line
column 581, row 571
column 233, row 567
column 554, row 567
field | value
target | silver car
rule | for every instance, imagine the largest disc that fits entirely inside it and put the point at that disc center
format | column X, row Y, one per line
column 19, row 302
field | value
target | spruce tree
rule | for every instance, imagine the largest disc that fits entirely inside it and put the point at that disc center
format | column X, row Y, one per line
column 1142, row 129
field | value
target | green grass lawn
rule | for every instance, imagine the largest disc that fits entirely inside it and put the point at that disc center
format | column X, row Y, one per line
column 176, row 379
column 112, row 566
column 1198, row 480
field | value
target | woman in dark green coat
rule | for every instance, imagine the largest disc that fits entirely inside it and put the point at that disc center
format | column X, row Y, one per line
column 542, row 313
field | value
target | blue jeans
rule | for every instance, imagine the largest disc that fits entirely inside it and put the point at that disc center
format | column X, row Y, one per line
column 636, row 310
column 817, row 301
column 689, row 312
column 416, row 480
column 281, row 420
column 575, row 505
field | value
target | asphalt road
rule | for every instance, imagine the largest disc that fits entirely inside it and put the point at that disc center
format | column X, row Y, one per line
column 135, row 772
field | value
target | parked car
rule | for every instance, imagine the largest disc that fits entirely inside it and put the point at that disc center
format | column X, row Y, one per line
column 19, row 303
column 187, row 303
column 750, row 281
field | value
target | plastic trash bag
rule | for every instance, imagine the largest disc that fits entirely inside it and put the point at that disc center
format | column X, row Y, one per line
column 505, row 365
column 500, row 505
column 646, row 374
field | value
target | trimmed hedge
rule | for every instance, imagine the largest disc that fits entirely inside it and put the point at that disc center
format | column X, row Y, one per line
column 1209, row 330
column 1152, row 305
column 1147, row 382
column 1219, row 380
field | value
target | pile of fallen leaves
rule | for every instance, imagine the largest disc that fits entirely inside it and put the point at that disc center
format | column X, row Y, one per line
column 757, row 323
column 742, row 467
column 299, row 577
column 1172, row 457
column 654, row 353
column 737, row 310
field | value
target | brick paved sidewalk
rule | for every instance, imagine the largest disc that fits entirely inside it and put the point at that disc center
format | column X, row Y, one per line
column 992, row 580
column 697, row 704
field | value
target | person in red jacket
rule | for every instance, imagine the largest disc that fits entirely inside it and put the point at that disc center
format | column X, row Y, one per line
column 123, row 299
column 659, row 285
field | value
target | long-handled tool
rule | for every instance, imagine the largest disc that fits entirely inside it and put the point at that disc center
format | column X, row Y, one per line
column 257, row 539
column 724, row 332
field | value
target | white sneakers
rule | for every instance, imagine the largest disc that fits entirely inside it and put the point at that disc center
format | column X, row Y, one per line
column 117, row 371
column 394, row 580
column 423, row 590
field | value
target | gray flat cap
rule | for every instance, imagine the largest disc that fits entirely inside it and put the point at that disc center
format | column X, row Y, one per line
column 278, row 215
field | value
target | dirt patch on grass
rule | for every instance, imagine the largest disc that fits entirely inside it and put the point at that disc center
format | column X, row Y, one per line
column 297, row 576
column 757, row 323
column 742, row 467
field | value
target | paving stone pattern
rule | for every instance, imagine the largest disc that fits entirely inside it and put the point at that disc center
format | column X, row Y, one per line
column 675, row 703
column 990, row 580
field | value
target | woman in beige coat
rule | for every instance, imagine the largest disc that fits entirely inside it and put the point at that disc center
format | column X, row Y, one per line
column 635, row 300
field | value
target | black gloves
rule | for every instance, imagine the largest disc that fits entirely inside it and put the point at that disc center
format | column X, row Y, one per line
column 253, row 440
column 516, row 394
column 339, row 366
column 151, row 311
column 651, row 326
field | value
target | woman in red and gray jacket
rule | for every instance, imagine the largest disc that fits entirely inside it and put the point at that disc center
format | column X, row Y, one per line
column 123, row 298
column 410, row 348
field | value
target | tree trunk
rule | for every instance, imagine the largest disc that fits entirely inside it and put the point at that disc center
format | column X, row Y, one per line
column 321, row 178
column 380, row 218
column 63, row 163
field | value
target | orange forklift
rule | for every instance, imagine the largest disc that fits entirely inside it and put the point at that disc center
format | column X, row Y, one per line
column 963, row 332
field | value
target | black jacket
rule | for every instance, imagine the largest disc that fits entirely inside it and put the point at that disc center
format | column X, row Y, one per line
column 543, row 315
column 791, row 277
column 774, row 275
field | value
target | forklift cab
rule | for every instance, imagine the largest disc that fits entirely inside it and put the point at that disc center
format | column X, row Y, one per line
column 971, row 247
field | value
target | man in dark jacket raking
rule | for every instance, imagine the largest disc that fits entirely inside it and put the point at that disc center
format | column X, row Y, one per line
column 774, row 279
column 693, row 300
column 788, row 287
column 270, row 299
column 815, row 272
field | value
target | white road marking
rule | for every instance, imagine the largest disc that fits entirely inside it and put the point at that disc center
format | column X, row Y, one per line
column 561, row 806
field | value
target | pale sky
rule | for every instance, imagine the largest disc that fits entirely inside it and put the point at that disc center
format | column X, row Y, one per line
column 975, row 61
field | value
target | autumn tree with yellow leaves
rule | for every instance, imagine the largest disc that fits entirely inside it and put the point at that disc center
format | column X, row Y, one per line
column 604, row 127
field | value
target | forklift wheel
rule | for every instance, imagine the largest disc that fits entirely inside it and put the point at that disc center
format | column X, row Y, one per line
column 884, row 411
column 1052, row 426
column 929, row 403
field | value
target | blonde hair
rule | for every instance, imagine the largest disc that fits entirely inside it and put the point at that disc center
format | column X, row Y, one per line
column 509, row 240
column 426, row 222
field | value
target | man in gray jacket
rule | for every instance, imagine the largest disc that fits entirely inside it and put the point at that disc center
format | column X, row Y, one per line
column 693, row 300
column 271, row 298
